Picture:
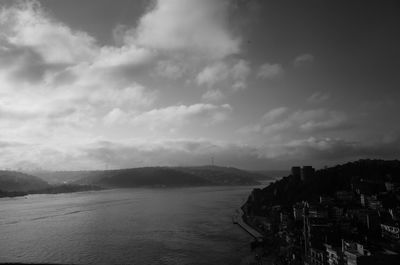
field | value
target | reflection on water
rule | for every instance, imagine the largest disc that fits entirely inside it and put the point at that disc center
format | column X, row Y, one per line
column 135, row 226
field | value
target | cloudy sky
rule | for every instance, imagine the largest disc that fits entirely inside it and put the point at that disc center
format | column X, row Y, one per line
column 256, row 84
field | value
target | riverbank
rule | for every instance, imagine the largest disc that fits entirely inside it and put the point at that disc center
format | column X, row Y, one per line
column 263, row 252
column 253, row 232
column 66, row 188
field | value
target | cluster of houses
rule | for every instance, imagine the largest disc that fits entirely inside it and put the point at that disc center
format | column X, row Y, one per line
column 358, row 226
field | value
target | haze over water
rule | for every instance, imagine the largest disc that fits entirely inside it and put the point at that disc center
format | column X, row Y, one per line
column 129, row 226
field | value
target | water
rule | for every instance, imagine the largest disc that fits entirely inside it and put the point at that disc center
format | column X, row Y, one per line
column 129, row 226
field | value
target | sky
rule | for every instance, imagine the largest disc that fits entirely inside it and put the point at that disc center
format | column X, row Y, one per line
column 255, row 84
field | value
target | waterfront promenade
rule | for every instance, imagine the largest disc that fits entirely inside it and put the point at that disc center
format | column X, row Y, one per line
column 254, row 233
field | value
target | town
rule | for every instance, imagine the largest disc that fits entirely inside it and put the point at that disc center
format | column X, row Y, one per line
column 347, row 214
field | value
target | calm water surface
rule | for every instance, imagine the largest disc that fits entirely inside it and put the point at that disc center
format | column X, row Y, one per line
column 129, row 226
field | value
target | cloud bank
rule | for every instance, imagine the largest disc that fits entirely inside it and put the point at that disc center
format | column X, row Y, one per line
column 173, row 89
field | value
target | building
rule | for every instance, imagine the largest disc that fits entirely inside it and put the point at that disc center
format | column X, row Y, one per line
column 395, row 213
column 307, row 172
column 390, row 231
column 317, row 211
column 298, row 212
column 336, row 212
column 325, row 200
column 296, row 172
column 353, row 251
column 368, row 219
column 334, row 255
column 373, row 202
column 363, row 200
column 380, row 259
column 317, row 254
column 344, row 195
column 365, row 188
column 389, row 186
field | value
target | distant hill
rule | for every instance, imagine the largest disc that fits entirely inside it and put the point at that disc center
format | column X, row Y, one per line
column 166, row 176
column 271, row 174
column 61, row 177
column 223, row 175
column 13, row 181
column 13, row 184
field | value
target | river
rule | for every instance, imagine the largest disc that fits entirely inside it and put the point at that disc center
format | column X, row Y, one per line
column 126, row 226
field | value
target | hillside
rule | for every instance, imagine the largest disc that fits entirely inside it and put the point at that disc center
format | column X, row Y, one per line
column 13, row 181
column 329, row 180
column 13, row 184
column 168, row 176
column 222, row 175
column 62, row 177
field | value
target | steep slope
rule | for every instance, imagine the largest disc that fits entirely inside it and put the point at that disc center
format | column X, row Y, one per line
column 17, row 181
column 329, row 180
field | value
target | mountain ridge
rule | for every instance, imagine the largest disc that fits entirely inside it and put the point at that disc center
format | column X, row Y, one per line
column 169, row 176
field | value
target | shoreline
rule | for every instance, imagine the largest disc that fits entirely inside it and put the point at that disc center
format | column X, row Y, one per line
column 245, row 226
column 261, row 254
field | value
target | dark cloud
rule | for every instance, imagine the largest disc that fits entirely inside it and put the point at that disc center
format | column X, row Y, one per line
column 328, row 150
column 27, row 65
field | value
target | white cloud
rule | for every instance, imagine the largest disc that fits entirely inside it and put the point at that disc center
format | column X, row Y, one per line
column 312, row 120
column 212, row 74
column 122, row 56
column 170, row 69
column 198, row 27
column 267, row 120
column 172, row 116
column 131, row 97
column 25, row 24
column 281, row 122
column 274, row 114
column 233, row 76
column 240, row 70
column 116, row 115
column 318, row 97
column 61, row 90
column 270, row 71
column 326, row 121
column 213, row 95
column 58, row 83
column 303, row 59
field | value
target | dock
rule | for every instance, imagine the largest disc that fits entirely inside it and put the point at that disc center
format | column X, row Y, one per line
column 254, row 233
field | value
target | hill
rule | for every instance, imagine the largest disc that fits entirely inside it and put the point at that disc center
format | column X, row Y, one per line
column 61, row 177
column 168, row 176
column 327, row 181
column 13, row 184
column 13, row 181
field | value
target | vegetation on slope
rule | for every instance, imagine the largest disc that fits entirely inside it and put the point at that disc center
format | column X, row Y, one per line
column 329, row 180
column 169, row 176
column 20, row 182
